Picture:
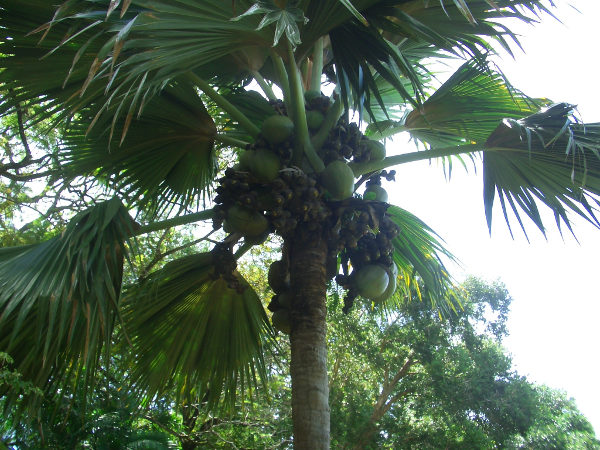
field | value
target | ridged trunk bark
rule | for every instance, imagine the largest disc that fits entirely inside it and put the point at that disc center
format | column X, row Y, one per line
column 310, row 388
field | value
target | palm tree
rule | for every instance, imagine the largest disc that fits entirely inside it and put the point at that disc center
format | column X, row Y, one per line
column 156, row 100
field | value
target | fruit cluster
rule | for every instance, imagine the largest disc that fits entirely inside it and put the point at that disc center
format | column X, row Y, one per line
column 225, row 265
column 345, row 141
column 265, row 193
column 369, row 251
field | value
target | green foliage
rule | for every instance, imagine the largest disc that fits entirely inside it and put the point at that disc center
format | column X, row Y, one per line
column 110, row 417
column 558, row 424
column 140, row 92
column 64, row 319
column 204, row 331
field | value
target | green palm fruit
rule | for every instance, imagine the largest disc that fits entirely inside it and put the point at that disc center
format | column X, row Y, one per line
column 392, row 272
column 245, row 221
column 338, row 179
column 265, row 165
column 371, row 281
column 279, row 277
column 376, row 192
column 377, row 150
column 281, row 321
column 276, row 129
column 314, row 119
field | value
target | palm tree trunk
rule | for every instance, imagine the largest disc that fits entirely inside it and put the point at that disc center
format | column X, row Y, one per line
column 310, row 388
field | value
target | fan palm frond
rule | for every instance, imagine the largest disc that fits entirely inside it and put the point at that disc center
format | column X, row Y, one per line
column 194, row 331
column 59, row 299
column 49, row 59
column 360, row 51
column 161, row 158
column 548, row 157
column 466, row 108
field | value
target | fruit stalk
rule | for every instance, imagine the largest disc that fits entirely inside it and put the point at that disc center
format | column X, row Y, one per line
column 331, row 119
column 264, row 85
column 304, row 145
column 284, row 82
column 230, row 141
column 175, row 221
column 317, row 67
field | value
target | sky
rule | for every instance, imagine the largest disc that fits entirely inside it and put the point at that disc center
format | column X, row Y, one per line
column 554, row 328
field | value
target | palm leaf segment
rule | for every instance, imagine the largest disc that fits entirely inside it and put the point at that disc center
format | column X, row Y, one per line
column 467, row 108
column 549, row 157
column 528, row 156
column 360, row 51
column 162, row 158
column 59, row 299
column 168, row 154
column 195, row 332
column 417, row 254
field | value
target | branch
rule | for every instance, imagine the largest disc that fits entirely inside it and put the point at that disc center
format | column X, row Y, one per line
column 384, row 403
column 161, row 425
column 18, row 177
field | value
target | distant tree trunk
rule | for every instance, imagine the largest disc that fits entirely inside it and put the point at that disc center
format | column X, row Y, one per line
column 384, row 402
column 310, row 388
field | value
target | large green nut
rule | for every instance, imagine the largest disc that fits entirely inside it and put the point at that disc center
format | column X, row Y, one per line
column 377, row 193
column 392, row 272
column 265, row 165
column 338, row 179
column 281, row 321
column 371, row 281
column 276, row 129
column 309, row 96
column 377, row 150
column 246, row 160
column 279, row 277
column 245, row 221
column 314, row 119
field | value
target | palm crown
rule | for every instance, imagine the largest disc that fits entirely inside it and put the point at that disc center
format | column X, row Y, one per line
column 154, row 93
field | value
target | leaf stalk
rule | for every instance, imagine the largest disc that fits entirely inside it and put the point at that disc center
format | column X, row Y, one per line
column 372, row 166
column 223, row 103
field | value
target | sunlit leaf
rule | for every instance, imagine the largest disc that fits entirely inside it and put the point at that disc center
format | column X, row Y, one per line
column 59, row 299
column 418, row 254
column 548, row 157
column 466, row 108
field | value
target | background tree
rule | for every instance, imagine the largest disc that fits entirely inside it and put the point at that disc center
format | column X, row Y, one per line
column 149, row 93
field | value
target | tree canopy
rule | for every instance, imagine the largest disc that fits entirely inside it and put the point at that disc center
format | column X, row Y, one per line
column 146, row 114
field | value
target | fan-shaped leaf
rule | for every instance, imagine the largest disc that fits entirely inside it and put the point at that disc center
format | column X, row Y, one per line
column 548, row 157
column 59, row 299
column 193, row 332
column 166, row 155
column 466, row 108
column 50, row 63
